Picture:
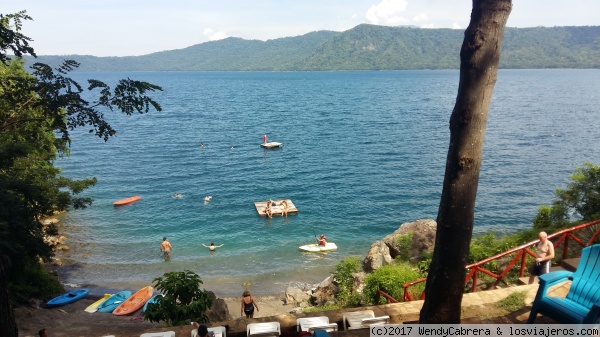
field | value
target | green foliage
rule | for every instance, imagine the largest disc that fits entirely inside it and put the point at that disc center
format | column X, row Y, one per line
column 33, row 281
column 364, row 47
column 343, row 278
column 390, row 278
column 326, row 307
column 404, row 243
column 578, row 203
column 513, row 302
column 183, row 299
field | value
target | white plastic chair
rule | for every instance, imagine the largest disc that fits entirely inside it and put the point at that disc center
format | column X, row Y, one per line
column 219, row 331
column 159, row 334
column 363, row 319
column 263, row 329
column 308, row 324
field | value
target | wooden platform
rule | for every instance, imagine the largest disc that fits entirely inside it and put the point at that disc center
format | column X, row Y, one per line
column 271, row 145
column 275, row 210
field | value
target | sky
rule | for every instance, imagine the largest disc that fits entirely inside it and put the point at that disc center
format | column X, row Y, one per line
column 140, row 27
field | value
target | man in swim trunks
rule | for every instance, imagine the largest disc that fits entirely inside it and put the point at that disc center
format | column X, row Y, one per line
column 543, row 255
column 166, row 248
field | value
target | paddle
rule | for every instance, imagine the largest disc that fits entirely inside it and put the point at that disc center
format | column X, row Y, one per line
column 315, row 236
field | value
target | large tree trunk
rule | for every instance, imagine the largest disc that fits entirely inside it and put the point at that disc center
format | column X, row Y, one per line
column 8, row 325
column 479, row 57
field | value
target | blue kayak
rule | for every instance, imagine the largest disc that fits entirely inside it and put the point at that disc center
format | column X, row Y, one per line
column 151, row 301
column 114, row 301
column 67, row 298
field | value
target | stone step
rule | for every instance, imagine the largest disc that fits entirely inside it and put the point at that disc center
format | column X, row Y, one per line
column 570, row 264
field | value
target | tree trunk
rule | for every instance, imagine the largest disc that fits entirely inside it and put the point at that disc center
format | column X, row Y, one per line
column 8, row 325
column 479, row 57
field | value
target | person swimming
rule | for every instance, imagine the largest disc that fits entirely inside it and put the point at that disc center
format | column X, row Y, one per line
column 212, row 246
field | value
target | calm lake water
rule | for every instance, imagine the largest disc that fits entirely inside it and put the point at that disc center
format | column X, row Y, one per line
column 363, row 153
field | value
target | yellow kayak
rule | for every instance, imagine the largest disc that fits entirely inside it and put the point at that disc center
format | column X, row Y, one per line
column 94, row 306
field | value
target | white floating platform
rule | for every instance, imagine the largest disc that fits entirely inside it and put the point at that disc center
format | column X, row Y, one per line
column 275, row 210
column 271, row 145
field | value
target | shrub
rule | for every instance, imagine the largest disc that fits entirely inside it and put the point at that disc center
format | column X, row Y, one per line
column 390, row 279
column 343, row 277
column 404, row 242
column 34, row 281
column 183, row 299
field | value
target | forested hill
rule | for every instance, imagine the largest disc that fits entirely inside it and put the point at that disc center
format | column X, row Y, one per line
column 364, row 47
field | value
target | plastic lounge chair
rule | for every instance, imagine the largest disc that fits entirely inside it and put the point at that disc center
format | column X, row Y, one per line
column 309, row 324
column 159, row 334
column 582, row 303
column 363, row 319
column 263, row 329
column 219, row 331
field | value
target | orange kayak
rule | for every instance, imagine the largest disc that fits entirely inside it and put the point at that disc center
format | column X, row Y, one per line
column 127, row 200
column 135, row 302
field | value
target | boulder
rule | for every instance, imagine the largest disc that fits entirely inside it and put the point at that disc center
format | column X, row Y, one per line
column 295, row 295
column 218, row 311
column 378, row 255
column 423, row 239
column 359, row 282
column 49, row 221
column 324, row 293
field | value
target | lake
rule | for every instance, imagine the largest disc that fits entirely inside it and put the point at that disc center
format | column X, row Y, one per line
column 363, row 152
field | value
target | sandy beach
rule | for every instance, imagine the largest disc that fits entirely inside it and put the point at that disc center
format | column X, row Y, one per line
column 71, row 320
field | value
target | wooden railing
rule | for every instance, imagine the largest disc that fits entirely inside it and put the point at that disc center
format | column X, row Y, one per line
column 520, row 253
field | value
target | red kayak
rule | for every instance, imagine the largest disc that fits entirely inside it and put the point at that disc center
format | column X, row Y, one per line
column 127, row 200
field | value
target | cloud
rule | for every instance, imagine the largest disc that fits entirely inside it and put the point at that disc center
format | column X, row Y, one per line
column 456, row 26
column 214, row 36
column 420, row 18
column 387, row 12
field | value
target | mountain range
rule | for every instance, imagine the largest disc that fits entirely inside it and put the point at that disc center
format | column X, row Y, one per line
column 364, row 47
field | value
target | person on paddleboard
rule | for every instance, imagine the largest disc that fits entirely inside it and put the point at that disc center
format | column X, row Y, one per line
column 166, row 248
column 322, row 240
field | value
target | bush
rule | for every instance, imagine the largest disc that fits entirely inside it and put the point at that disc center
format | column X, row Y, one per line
column 342, row 276
column 390, row 279
column 183, row 300
column 404, row 244
column 34, row 281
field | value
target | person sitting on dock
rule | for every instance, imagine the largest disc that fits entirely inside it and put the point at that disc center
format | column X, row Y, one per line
column 323, row 240
column 268, row 210
column 284, row 211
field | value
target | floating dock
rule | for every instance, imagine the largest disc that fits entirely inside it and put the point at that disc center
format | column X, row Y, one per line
column 271, row 145
column 275, row 210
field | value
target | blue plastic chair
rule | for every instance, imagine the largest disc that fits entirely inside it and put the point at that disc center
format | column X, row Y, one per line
column 582, row 303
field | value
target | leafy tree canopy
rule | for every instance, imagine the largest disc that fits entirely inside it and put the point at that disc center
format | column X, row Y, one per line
column 578, row 203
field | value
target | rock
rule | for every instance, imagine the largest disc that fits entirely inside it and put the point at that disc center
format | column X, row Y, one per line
column 35, row 303
column 423, row 239
column 295, row 295
column 359, row 282
column 378, row 255
column 49, row 221
column 219, row 311
column 322, row 295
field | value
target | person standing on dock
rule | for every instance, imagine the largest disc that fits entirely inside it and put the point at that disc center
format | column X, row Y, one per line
column 265, row 138
column 544, row 253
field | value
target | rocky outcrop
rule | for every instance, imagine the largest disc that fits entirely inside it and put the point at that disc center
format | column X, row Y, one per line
column 324, row 292
column 295, row 295
column 409, row 242
column 423, row 239
column 218, row 311
column 378, row 255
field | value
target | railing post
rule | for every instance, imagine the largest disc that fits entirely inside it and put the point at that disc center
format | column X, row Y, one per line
column 566, row 247
column 523, row 263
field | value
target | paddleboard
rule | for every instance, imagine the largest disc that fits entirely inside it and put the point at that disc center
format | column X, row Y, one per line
column 67, row 298
column 127, row 200
column 94, row 306
column 135, row 302
column 316, row 248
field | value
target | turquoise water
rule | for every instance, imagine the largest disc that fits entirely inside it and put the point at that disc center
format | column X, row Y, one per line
column 363, row 153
